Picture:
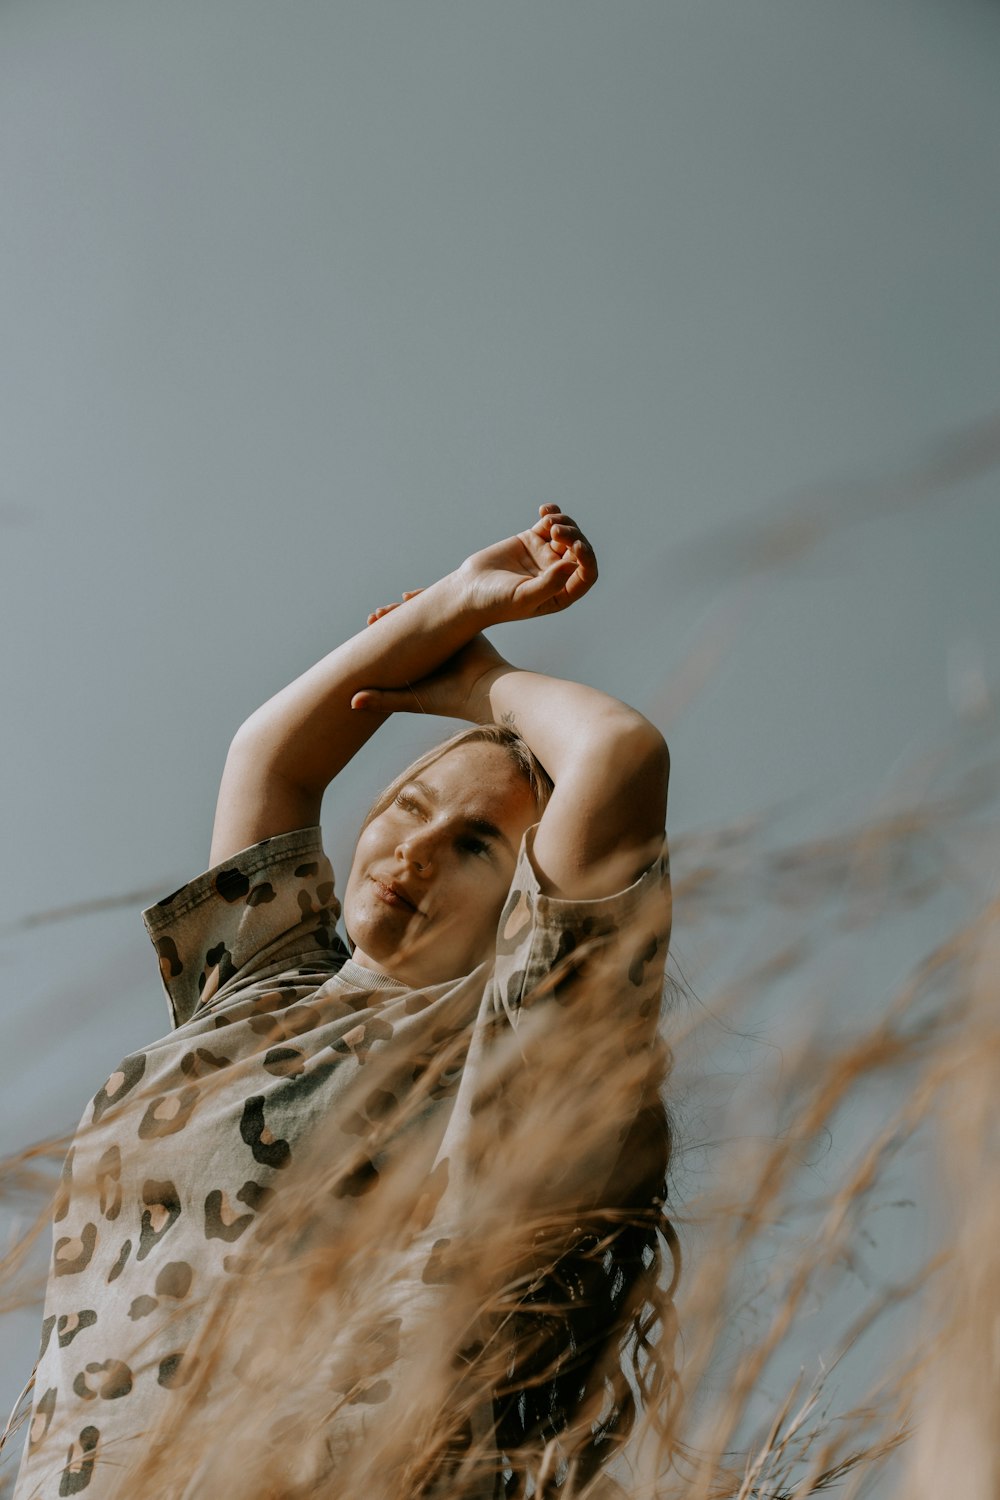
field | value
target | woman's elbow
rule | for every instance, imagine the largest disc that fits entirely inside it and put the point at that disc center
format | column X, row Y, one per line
column 642, row 746
column 641, row 760
column 658, row 750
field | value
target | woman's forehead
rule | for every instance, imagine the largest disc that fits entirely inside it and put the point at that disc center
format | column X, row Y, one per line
column 478, row 775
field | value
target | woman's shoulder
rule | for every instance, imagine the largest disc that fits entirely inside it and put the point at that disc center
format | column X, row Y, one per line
column 266, row 905
column 546, row 943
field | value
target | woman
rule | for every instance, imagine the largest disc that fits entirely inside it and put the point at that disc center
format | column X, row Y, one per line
column 315, row 1239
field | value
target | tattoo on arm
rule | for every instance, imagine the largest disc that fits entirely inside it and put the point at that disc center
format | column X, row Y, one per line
column 508, row 721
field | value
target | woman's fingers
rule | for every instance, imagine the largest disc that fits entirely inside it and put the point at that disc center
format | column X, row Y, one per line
column 562, row 533
column 386, row 701
column 383, row 609
column 386, row 609
column 566, row 540
column 568, row 543
column 583, row 577
column 542, row 591
column 549, row 515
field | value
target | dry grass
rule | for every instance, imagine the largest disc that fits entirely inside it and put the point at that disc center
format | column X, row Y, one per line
column 765, row 1243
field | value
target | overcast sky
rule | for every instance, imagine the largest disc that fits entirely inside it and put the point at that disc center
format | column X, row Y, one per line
column 302, row 303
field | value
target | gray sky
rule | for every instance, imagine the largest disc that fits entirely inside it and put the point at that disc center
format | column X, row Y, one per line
column 302, row 303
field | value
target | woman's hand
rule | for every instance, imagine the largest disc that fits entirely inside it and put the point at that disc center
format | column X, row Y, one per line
column 457, row 690
column 537, row 572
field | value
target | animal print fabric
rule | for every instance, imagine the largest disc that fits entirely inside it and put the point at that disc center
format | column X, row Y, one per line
column 292, row 1080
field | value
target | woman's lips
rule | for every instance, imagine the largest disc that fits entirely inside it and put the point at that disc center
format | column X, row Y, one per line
column 393, row 896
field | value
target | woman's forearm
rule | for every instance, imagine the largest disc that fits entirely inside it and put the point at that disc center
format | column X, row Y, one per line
column 562, row 721
column 285, row 755
column 610, row 766
column 307, row 733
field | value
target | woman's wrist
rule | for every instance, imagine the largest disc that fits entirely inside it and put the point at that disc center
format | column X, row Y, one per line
column 463, row 600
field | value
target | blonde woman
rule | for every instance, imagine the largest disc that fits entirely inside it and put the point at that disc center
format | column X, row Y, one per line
column 325, row 1117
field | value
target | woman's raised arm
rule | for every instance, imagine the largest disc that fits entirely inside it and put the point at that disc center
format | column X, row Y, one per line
column 605, row 821
column 285, row 755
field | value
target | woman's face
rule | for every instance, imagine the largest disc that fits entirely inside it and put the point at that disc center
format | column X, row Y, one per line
column 431, row 872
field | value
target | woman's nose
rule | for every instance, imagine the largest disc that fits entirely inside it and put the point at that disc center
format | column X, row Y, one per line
column 418, row 851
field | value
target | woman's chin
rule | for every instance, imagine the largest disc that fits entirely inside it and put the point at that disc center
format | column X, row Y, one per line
column 414, row 951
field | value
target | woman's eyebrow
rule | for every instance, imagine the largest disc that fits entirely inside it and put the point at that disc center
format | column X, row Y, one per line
column 481, row 825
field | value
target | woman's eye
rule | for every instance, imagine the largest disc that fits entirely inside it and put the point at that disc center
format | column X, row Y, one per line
column 475, row 846
column 405, row 802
